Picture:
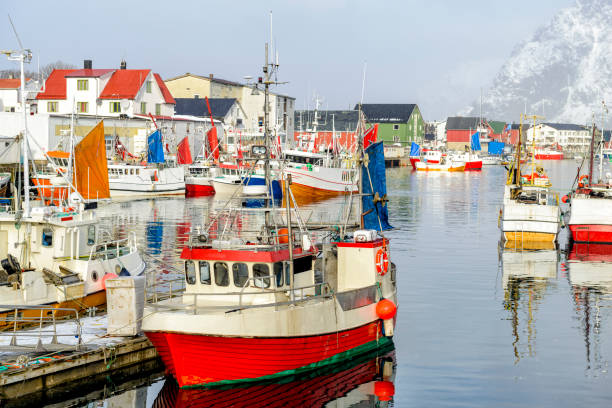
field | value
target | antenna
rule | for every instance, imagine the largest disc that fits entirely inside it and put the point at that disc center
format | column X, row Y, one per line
column 15, row 31
column 365, row 65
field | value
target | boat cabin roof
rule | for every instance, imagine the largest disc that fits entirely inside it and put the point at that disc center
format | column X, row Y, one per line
column 241, row 255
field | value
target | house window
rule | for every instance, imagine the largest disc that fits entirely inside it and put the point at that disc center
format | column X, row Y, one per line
column 115, row 107
column 51, row 106
column 143, row 107
column 82, row 84
column 82, row 106
column 149, row 86
column 395, row 127
column 158, row 109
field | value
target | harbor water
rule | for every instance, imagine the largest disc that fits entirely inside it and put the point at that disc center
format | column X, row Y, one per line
column 478, row 325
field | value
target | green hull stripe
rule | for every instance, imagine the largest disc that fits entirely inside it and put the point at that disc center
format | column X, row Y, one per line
column 375, row 345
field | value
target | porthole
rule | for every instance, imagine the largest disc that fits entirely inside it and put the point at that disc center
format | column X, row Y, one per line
column 94, row 276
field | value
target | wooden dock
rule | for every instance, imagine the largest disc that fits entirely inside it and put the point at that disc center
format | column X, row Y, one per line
column 75, row 368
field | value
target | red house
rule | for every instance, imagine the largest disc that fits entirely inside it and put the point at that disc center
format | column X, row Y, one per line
column 459, row 130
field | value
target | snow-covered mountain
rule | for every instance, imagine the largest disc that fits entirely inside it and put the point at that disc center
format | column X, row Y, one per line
column 563, row 71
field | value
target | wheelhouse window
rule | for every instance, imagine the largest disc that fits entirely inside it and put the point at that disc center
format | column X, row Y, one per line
column 261, row 275
column 204, row 272
column 241, row 274
column 91, row 235
column 278, row 274
column 190, row 272
column 47, row 237
column 221, row 274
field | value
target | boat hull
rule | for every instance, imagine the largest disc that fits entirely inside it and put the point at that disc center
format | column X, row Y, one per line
column 440, row 167
column 591, row 219
column 414, row 161
column 226, row 188
column 549, row 156
column 211, row 361
column 527, row 236
column 198, row 189
column 473, row 165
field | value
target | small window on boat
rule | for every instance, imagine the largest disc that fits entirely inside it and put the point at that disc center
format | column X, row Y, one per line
column 190, row 273
column 241, row 274
column 47, row 237
column 278, row 273
column 137, row 172
column 287, row 274
column 261, row 273
column 221, row 274
column 91, row 235
column 303, row 264
column 204, row 273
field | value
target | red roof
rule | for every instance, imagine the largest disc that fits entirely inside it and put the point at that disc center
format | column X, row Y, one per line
column 91, row 73
column 55, row 86
column 164, row 90
column 10, row 83
column 124, row 84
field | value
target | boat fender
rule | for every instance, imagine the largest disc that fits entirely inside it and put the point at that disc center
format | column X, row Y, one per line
column 385, row 309
column 384, row 390
column 565, row 199
column 382, row 262
column 581, row 180
column 106, row 277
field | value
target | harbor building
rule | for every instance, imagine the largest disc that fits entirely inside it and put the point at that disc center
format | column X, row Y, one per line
column 398, row 123
column 105, row 92
column 316, row 130
column 250, row 97
column 460, row 129
column 567, row 136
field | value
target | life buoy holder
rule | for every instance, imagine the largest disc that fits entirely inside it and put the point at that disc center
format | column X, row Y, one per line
column 581, row 182
column 382, row 262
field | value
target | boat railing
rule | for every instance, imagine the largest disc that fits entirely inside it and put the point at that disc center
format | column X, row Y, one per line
column 166, row 289
column 295, row 296
column 45, row 317
column 114, row 249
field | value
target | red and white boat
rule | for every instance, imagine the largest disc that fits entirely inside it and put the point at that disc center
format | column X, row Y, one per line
column 428, row 155
column 472, row 161
column 548, row 154
column 591, row 207
column 198, row 181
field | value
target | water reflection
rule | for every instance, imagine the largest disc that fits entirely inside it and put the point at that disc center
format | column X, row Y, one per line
column 526, row 272
column 590, row 275
column 366, row 381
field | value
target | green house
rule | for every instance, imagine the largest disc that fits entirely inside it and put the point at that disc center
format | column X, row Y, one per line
column 398, row 123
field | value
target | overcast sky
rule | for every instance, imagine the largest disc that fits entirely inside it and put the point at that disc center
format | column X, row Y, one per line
column 437, row 54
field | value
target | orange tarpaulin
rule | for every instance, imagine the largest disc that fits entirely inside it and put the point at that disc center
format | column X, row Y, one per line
column 91, row 172
column 184, row 152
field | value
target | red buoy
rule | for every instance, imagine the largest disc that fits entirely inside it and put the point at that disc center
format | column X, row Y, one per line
column 384, row 390
column 565, row 199
column 385, row 309
column 107, row 276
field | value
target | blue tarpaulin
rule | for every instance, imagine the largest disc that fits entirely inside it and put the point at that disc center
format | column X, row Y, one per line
column 155, row 151
column 496, row 147
column 476, row 141
column 374, row 185
column 415, row 149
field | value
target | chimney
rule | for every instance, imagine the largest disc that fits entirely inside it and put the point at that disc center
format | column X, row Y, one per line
column 87, row 64
column 123, row 65
column 210, row 76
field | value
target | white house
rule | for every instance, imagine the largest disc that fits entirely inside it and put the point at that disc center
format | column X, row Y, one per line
column 570, row 137
column 10, row 101
column 105, row 92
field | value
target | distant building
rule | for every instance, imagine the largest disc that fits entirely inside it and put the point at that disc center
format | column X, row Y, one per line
column 460, row 129
column 398, row 123
column 10, row 99
column 567, row 136
column 105, row 92
column 251, row 100
column 318, row 134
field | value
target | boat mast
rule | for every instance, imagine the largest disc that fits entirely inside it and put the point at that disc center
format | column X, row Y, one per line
column 604, row 110
column 591, row 154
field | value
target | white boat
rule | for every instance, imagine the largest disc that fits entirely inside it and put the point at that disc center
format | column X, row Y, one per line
column 317, row 176
column 198, row 180
column 445, row 164
column 488, row 160
column 227, row 179
column 530, row 211
column 145, row 180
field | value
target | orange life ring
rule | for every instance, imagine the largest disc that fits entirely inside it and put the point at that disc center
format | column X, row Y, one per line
column 382, row 262
column 581, row 184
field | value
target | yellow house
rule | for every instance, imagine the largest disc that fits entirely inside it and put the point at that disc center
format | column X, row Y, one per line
column 194, row 86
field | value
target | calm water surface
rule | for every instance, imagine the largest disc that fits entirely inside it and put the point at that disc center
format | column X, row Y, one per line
column 478, row 325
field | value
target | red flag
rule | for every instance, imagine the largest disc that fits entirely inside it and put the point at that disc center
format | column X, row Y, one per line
column 213, row 142
column 370, row 136
column 184, row 152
